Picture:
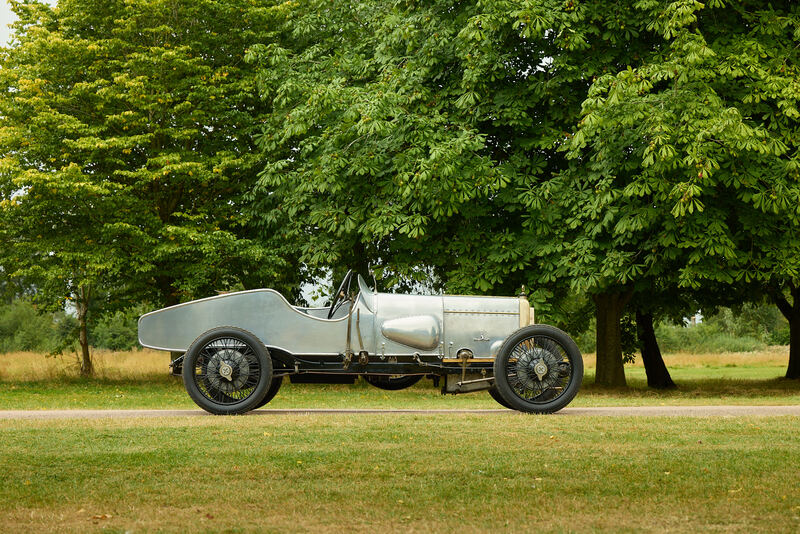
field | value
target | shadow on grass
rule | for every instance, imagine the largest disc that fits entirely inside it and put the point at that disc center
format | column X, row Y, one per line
column 699, row 388
column 636, row 386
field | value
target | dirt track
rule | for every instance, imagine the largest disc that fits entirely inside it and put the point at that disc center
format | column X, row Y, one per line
column 618, row 411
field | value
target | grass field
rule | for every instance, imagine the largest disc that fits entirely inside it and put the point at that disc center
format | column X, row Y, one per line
column 139, row 380
column 504, row 472
column 401, row 473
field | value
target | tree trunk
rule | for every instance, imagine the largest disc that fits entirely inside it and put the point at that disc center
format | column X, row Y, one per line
column 608, row 310
column 84, row 295
column 654, row 366
column 167, row 291
column 792, row 313
column 793, row 370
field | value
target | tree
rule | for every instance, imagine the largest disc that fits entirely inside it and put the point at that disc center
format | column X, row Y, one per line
column 127, row 149
column 420, row 130
column 351, row 165
column 697, row 150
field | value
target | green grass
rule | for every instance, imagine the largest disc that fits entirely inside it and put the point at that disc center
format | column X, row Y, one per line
column 503, row 472
column 706, row 372
column 424, row 473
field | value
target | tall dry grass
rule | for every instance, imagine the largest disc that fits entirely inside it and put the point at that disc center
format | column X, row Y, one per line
column 772, row 356
column 127, row 365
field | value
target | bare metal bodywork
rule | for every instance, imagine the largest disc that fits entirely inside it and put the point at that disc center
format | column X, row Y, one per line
column 382, row 326
column 235, row 350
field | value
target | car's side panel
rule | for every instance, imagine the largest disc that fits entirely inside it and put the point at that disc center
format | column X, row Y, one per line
column 383, row 324
column 479, row 324
column 413, row 311
column 264, row 312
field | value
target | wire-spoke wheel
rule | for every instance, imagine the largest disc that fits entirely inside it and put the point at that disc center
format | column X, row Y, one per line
column 538, row 369
column 227, row 371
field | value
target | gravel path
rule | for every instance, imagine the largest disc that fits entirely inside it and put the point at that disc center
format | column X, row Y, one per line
column 616, row 411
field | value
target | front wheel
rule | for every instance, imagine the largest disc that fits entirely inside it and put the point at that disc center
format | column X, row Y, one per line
column 227, row 371
column 538, row 369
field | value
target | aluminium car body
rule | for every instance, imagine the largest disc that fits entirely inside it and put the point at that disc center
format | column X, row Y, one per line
column 383, row 324
column 237, row 347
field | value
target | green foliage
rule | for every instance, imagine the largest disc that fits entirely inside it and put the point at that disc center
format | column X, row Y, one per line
column 165, row 149
column 125, row 152
column 24, row 328
column 629, row 338
column 704, row 338
column 119, row 330
column 762, row 322
column 746, row 328
column 592, row 147
column 586, row 339
column 417, row 131
column 683, row 168
column 126, row 146
column 687, row 165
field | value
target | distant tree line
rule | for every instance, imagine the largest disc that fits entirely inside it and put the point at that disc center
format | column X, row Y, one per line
column 25, row 328
column 629, row 162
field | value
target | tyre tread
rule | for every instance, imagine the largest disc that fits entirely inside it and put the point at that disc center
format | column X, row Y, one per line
column 504, row 388
column 246, row 405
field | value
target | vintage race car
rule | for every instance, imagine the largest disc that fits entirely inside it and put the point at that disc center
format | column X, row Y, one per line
column 235, row 349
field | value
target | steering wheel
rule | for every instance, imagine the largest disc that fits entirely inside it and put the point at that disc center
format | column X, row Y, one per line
column 340, row 297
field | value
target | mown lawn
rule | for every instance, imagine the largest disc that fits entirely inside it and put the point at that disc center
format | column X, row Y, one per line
column 505, row 472
column 410, row 473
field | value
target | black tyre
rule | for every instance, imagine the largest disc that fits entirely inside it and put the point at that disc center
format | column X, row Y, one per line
column 538, row 369
column 499, row 398
column 227, row 371
column 392, row 383
column 274, row 386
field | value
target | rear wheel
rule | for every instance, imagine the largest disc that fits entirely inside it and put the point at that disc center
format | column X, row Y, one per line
column 538, row 369
column 392, row 382
column 227, row 371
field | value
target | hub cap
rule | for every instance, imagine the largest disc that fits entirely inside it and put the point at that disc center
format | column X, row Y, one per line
column 227, row 371
column 538, row 369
